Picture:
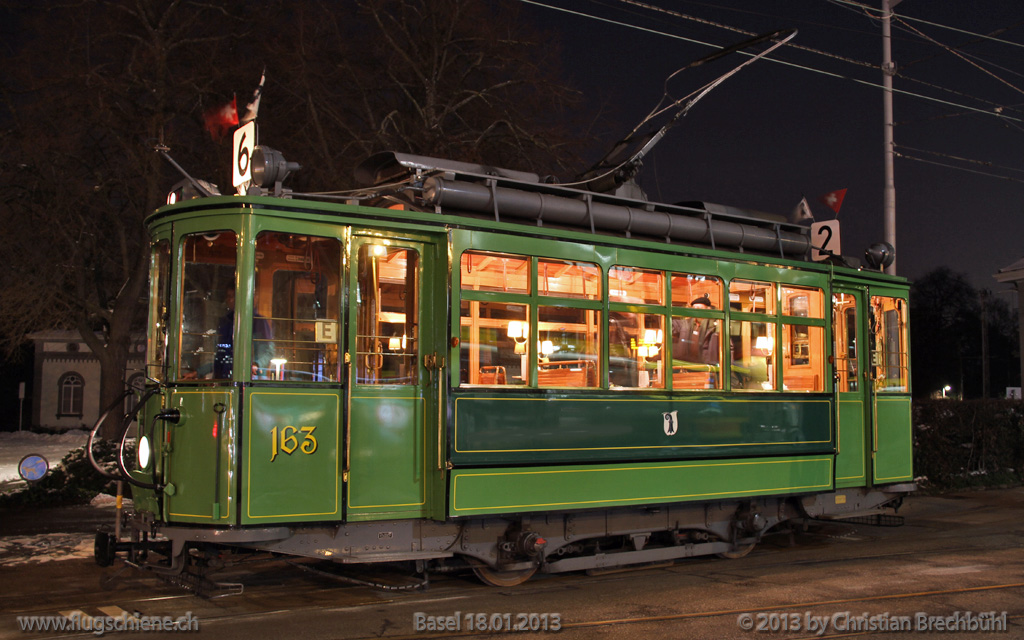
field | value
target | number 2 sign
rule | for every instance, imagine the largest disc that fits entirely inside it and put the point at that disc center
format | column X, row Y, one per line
column 241, row 154
column 824, row 240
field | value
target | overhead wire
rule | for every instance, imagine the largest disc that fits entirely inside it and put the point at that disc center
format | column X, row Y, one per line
column 995, row 109
column 983, row 163
column 961, row 46
column 989, row 112
column 677, row 14
column 956, row 53
column 874, row 14
column 951, row 166
column 875, row 10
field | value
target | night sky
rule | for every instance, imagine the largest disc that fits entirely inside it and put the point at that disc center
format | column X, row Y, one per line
column 774, row 133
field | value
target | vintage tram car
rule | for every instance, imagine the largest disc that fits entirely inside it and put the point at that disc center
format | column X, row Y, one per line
column 464, row 365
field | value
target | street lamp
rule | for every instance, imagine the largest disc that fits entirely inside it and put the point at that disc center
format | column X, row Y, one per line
column 945, row 389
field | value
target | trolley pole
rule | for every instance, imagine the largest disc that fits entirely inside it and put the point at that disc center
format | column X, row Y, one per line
column 888, row 71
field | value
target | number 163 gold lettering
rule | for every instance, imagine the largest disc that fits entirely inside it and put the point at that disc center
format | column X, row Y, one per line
column 286, row 440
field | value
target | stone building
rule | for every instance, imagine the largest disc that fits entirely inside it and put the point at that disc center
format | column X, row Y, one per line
column 66, row 379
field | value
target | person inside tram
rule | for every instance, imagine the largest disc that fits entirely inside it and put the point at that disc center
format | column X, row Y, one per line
column 696, row 339
column 262, row 344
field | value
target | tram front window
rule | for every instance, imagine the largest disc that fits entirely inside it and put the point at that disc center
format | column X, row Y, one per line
column 159, row 308
column 295, row 308
column 207, row 305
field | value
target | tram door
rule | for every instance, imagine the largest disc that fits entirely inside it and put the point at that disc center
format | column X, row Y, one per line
column 872, row 387
column 853, row 389
column 395, row 367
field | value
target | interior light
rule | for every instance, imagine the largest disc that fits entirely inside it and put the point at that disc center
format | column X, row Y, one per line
column 764, row 344
column 278, row 363
column 515, row 329
column 394, row 344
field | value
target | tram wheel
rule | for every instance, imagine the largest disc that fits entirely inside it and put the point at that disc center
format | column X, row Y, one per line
column 738, row 552
column 495, row 578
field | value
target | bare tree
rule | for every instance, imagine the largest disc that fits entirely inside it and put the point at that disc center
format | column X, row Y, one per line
column 452, row 78
column 90, row 87
column 89, row 91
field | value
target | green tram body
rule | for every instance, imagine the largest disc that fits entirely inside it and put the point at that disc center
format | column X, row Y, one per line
column 381, row 446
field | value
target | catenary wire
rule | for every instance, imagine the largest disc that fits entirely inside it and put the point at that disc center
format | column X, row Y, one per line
column 989, row 112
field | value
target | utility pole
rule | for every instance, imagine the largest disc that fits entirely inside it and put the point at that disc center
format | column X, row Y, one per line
column 888, row 71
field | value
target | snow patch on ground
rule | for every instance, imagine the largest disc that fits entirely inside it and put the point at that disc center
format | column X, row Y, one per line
column 46, row 547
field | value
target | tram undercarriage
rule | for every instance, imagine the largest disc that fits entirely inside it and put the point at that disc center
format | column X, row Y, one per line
column 505, row 551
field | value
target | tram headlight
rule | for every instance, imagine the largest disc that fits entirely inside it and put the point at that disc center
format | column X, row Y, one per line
column 145, row 451
column 270, row 168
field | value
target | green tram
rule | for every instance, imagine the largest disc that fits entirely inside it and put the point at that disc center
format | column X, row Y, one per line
column 467, row 366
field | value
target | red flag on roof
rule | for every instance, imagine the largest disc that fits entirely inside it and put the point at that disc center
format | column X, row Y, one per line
column 833, row 199
column 217, row 121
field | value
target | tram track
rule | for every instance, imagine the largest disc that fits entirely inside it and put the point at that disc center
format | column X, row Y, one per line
column 570, row 625
column 275, row 592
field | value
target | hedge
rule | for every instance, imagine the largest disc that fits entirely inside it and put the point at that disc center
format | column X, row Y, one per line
column 968, row 443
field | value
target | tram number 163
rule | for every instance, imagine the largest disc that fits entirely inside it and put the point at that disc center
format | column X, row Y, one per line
column 286, row 440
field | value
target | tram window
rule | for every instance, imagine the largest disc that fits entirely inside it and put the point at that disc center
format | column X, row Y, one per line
column 752, row 297
column 752, row 345
column 207, row 305
column 696, row 353
column 495, row 272
column 494, row 347
column 803, row 359
column 803, row 346
column 295, row 326
column 888, row 344
column 159, row 306
column 637, row 286
column 636, row 354
column 802, row 302
column 696, row 340
column 567, row 279
column 687, row 287
column 387, row 323
column 568, row 347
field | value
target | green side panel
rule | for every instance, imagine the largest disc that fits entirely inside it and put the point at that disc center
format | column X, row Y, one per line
column 525, row 429
column 201, row 456
column 292, row 468
column 387, row 456
column 147, row 500
column 850, row 460
column 525, row 489
column 893, row 440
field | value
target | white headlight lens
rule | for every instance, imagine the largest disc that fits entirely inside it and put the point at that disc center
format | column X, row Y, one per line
column 144, row 452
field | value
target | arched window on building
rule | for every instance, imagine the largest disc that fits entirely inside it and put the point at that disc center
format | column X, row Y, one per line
column 69, row 395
